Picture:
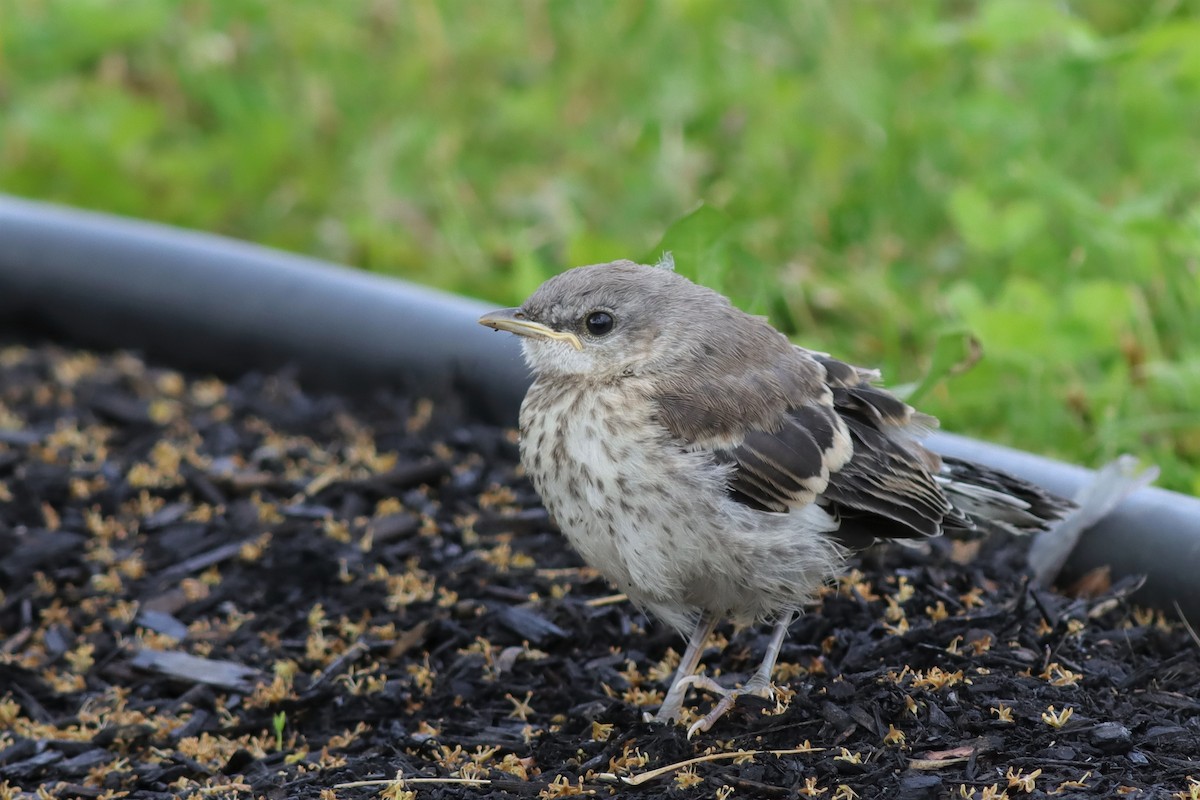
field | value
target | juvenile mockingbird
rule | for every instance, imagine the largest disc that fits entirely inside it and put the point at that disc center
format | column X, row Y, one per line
column 711, row 469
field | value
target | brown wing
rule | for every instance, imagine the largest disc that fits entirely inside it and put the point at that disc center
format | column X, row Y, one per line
column 808, row 428
column 789, row 467
column 773, row 421
column 888, row 488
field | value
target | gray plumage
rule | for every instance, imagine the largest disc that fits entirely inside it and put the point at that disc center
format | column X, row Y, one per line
column 712, row 469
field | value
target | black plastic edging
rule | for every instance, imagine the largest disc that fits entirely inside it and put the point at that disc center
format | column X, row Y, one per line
column 209, row 303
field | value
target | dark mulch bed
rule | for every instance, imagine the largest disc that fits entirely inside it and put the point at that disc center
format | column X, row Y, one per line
column 370, row 588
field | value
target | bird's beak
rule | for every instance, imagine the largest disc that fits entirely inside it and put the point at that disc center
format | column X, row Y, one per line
column 513, row 320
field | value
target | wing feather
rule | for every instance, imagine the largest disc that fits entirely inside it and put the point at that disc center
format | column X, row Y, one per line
column 810, row 428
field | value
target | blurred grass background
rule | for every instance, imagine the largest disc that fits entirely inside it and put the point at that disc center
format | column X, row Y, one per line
column 882, row 179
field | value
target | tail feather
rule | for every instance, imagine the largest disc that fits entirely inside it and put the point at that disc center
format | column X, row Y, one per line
column 995, row 500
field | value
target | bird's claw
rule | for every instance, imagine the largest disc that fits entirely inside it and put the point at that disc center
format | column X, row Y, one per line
column 708, row 720
column 729, row 698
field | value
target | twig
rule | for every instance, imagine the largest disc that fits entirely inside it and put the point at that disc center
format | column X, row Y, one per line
column 405, row 781
column 584, row 573
column 638, row 780
column 237, row 787
column 1186, row 624
column 610, row 600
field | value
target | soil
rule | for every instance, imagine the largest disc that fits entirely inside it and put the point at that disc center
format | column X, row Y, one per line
column 240, row 589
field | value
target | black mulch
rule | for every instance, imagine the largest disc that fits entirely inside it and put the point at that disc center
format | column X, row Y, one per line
column 243, row 590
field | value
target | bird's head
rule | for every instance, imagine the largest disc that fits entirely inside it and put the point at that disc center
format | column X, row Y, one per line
column 606, row 321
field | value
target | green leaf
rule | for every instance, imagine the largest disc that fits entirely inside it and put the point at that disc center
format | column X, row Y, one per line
column 278, row 722
column 954, row 352
column 697, row 241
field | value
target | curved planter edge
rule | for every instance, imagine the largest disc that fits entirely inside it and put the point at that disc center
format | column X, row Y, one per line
column 209, row 303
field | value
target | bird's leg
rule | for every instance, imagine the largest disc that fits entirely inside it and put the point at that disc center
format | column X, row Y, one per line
column 758, row 685
column 673, row 703
column 762, row 676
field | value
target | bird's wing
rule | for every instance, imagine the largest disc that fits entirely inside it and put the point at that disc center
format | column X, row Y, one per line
column 888, row 488
column 808, row 428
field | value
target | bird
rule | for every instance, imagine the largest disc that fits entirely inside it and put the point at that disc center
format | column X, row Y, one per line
column 712, row 470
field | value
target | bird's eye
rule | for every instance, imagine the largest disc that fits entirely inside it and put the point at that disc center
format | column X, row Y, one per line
column 599, row 323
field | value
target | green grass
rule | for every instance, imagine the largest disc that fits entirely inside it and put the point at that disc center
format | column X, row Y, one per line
column 878, row 177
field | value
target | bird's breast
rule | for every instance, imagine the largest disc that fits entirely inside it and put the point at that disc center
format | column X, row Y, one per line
column 621, row 491
column 593, row 454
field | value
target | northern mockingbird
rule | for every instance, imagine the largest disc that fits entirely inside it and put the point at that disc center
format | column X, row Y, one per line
column 711, row 469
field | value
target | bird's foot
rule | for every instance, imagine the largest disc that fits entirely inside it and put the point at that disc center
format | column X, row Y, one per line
column 672, row 706
column 757, row 687
column 729, row 697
